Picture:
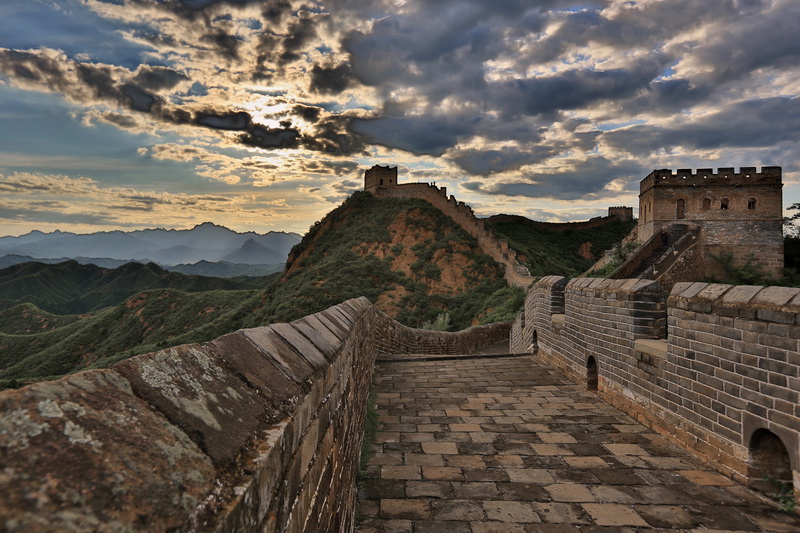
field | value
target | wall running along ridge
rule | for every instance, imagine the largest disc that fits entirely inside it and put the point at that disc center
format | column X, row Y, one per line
column 714, row 368
column 515, row 273
column 258, row 430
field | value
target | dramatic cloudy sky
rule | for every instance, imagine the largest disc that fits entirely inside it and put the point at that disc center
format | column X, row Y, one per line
column 262, row 114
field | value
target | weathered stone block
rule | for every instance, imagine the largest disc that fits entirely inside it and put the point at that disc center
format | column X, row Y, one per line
column 197, row 393
column 84, row 452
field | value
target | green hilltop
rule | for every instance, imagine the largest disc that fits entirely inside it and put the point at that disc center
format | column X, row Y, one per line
column 405, row 255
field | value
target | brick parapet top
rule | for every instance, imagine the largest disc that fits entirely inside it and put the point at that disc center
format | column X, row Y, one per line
column 724, row 177
column 551, row 282
column 620, row 286
column 769, row 304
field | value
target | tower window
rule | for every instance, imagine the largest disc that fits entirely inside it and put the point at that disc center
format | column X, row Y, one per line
column 381, row 181
column 706, row 203
column 680, row 209
column 723, row 204
column 751, row 203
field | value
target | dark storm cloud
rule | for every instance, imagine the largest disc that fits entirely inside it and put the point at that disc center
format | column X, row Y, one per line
column 755, row 123
column 572, row 89
column 426, row 134
column 587, row 179
column 331, row 80
column 265, row 137
column 157, row 78
column 334, row 135
column 484, row 162
column 225, row 44
column 331, row 167
column 306, row 112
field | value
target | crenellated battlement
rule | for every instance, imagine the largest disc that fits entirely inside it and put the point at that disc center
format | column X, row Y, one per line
column 723, row 177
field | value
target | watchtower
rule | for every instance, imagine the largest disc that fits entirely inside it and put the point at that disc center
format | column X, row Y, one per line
column 379, row 176
column 737, row 213
column 622, row 213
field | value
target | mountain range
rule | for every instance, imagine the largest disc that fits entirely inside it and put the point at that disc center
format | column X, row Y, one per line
column 167, row 247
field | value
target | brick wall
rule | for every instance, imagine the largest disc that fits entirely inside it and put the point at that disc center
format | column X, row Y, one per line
column 395, row 338
column 727, row 369
column 258, row 430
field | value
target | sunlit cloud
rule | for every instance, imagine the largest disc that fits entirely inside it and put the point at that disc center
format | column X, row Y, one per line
column 506, row 104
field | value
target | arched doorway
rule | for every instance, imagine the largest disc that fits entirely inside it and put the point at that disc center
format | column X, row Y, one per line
column 770, row 465
column 591, row 373
column 680, row 209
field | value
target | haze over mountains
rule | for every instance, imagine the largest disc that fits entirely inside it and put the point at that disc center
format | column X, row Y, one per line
column 205, row 243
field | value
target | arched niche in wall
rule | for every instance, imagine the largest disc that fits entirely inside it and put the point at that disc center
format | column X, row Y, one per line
column 680, row 209
column 770, row 463
column 591, row 373
column 724, row 203
column 751, row 204
column 706, row 204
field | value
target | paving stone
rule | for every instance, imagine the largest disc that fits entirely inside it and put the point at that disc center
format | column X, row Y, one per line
column 464, row 510
column 421, row 459
column 510, row 445
column 586, row 462
column 377, row 489
column 561, row 513
column 428, row 489
column 612, row 514
column 666, row 516
column 616, row 494
column 409, row 509
column 495, row 527
column 522, row 492
column 400, row 472
column 445, row 473
column 485, row 474
column 718, row 517
column 440, row 448
column 704, row 477
column 428, row 526
column 566, row 492
column 465, row 461
column 475, row 490
column 510, row 511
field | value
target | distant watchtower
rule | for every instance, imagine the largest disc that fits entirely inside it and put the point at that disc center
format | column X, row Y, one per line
column 737, row 213
column 379, row 176
column 622, row 213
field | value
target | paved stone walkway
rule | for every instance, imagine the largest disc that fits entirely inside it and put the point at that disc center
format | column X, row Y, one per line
column 504, row 444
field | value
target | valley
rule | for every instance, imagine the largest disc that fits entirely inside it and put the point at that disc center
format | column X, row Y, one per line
column 404, row 254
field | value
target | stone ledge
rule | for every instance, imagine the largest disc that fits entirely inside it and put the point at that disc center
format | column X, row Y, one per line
column 653, row 347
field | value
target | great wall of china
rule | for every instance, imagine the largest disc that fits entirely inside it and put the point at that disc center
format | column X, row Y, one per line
column 260, row 430
column 462, row 214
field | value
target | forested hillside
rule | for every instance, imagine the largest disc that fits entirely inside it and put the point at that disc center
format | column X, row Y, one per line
column 405, row 255
column 558, row 249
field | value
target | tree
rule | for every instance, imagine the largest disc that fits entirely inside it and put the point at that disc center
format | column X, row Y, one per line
column 791, row 224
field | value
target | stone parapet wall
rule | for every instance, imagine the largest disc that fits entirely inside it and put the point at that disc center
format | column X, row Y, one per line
column 728, row 369
column 395, row 338
column 462, row 214
column 258, row 430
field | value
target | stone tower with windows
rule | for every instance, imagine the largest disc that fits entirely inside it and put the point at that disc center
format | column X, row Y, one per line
column 379, row 176
column 737, row 213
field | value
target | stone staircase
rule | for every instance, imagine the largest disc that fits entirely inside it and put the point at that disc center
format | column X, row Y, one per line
column 676, row 232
